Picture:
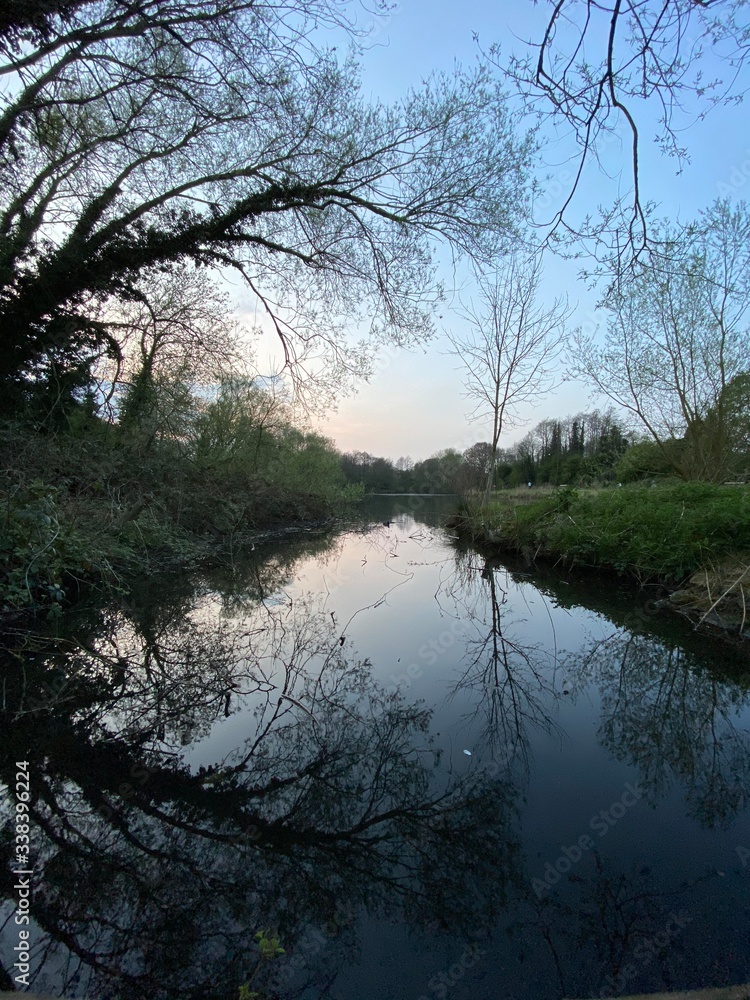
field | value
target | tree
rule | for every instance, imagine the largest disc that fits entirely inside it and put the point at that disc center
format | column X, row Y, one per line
column 511, row 348
column 174, row 341
column 734, row 411
column 477, row 463
column 327, row 803
column 236, row 429
column 677, row 336
column 32, row 21
column 596, row 64
column 136, row 138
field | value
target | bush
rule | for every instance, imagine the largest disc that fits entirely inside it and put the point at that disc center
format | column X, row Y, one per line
column 645, row 460
column 41, row 551
column 75, row 504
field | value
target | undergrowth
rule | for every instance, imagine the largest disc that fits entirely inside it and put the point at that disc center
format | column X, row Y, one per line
column 82, row 509
column 667, row 531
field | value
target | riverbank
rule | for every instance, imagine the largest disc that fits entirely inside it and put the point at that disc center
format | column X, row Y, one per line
column 693, row 538
column 723, row 993
column 86, row 510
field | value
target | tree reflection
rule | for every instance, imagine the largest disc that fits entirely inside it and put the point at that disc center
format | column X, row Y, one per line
column 673, row 718
column 511, row 678
column 613, row 932
column 306, row 794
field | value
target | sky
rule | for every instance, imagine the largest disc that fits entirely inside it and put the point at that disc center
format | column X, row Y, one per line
column 415, row 404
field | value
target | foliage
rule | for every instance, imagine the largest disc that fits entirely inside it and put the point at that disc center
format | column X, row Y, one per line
column 579, row 450
column 269, row 946
column 583, row 448
column 667, row 531
column 237, row 427
column 731, row 416
column 176, row 335
column 678, row 337
column 38, row 548
column 226, row 135
column 444, row 472
column 645, row 460
column 96, row 502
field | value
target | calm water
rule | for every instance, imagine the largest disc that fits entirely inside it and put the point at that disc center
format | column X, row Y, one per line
column 428, row 774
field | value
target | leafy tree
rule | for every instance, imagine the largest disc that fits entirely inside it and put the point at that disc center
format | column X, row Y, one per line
column 478, row 464
column 440, row 473
column 176, row 337
column 677, row 336
column 142, row 138
column 377, row 475
column 644, row 460
column 306, row 463
column 235, row 430
column 567, row 450
column 31, row 21
column 734, row 412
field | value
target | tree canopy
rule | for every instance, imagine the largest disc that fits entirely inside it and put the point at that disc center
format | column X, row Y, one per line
column 678, row 337
column 137, row 138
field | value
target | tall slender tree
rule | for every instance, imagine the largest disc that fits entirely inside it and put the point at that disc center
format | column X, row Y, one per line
column 511, row 347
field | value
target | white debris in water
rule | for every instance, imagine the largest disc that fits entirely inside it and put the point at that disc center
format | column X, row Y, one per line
column 468, row 753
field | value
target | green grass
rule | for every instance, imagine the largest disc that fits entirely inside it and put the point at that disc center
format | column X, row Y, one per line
column 667, row 531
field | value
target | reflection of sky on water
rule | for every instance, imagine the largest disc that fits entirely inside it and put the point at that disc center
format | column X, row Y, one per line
column 397, row 592
column 565, row 710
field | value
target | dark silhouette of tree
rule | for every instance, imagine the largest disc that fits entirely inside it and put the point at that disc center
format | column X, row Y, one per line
column 138, row 138
column 512, row 680
column 154, row 876
column 674, row 721
column 596, row 63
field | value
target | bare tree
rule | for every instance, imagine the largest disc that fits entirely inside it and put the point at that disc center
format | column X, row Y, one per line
column 677, row 337
column 511, row 348
column 597, row 62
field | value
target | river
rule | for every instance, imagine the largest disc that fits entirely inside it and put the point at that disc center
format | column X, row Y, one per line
column 419, row 772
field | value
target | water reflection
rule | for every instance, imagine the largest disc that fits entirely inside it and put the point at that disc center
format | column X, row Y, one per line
column 154, row 875
column 223, row 753
column 674, row 719
column 622, row 926
column 510, row 677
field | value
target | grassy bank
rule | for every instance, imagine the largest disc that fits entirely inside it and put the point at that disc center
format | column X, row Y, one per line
column 91, row 508
column 671, row 533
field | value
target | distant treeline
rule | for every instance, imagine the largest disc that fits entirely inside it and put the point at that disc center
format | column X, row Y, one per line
column 585, row 448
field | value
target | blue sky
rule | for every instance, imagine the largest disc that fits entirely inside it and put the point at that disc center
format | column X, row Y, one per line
column 414, row 405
